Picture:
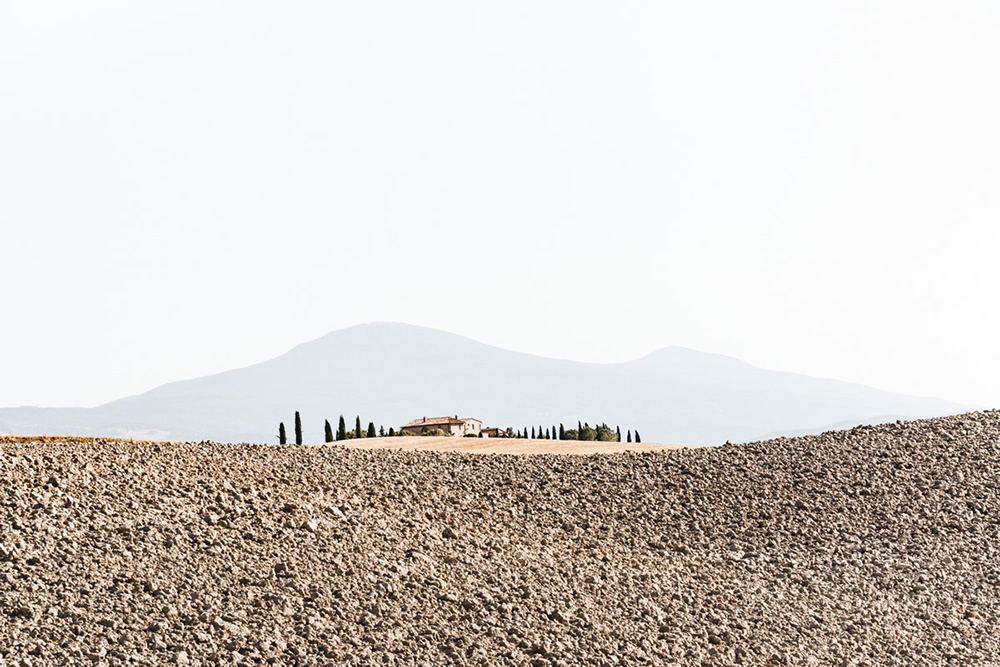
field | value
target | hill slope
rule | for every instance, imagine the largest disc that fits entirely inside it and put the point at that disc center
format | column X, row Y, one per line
column 392, row 373
column 879, row 542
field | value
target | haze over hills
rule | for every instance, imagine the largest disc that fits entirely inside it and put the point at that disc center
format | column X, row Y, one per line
column 391, row 373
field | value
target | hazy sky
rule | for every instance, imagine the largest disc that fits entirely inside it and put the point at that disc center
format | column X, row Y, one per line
column 193, row 186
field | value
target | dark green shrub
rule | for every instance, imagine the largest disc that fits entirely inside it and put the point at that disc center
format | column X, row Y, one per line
column 605, row 434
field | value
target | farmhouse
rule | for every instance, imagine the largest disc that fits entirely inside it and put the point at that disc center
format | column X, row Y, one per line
column 450, row 425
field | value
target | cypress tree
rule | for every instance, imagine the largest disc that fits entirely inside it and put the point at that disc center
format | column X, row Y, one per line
column 548, row 434
column 532, row 432
column 298, row 428
column 630, row 435
column 637, row 437
column 392, row 432
column 618, row 433
column 342, row 429
column 282, row 440
column 327, row 432
column 371, row 430
column 357, row 427
column 381, row 431
column 562, row 432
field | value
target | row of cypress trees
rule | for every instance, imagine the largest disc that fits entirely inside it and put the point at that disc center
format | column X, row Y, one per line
column 329, row 436
column 283, row 438
column 602, row 433
column 343, row 434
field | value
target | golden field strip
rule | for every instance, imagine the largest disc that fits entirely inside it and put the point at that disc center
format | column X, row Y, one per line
column 419, row 443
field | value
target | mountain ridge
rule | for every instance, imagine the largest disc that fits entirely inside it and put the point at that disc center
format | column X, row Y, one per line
column 388, row 372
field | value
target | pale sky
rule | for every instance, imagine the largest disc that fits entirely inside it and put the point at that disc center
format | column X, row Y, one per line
column 195, row 186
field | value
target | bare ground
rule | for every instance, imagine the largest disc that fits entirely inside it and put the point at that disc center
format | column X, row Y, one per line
column 872, row 546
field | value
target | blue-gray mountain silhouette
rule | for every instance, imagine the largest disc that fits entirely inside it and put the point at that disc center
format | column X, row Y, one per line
column 391, row 373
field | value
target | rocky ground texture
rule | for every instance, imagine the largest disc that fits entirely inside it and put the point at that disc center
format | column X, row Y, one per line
column 877, row 546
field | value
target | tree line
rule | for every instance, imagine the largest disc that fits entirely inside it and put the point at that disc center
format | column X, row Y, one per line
column 584, row 431
column 341, row 434
column 600, row 433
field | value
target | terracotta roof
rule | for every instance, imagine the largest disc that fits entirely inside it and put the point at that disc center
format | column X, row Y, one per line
column 438, row 420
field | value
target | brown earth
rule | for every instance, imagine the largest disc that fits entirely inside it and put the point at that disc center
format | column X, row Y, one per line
column 873, row 546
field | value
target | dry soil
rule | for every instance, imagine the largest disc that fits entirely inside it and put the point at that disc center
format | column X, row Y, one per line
column 874, row 546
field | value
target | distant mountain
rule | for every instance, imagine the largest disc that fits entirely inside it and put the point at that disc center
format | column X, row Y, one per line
column 392, row 373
